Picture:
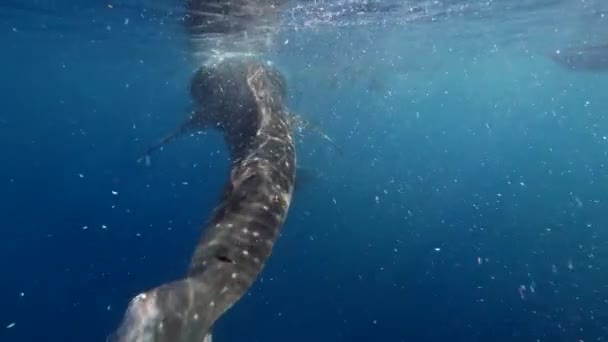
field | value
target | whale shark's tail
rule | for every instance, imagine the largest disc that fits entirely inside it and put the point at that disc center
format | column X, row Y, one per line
column 181, row 311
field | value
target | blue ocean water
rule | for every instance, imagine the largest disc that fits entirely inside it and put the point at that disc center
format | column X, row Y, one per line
column 467, row 200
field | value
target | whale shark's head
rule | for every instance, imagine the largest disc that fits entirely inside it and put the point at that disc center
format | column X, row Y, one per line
column 223, row 97
column 224, row 82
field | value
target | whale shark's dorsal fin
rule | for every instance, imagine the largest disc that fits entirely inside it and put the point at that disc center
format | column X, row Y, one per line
column 301, row 124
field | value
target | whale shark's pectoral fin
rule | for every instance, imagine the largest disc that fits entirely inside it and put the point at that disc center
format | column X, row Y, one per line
column 317, row 130
column 300, row 124
column 188, row 125
column 208, row 338
column 304, row 176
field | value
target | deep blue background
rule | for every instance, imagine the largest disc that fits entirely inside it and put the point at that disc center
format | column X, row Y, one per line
column 455, row 152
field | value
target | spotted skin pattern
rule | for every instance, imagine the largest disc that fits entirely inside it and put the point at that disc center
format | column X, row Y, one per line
column 243, row 99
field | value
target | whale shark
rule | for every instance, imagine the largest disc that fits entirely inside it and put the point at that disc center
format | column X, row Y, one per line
column 244, row 100
column 583, row 58
column 237, row 93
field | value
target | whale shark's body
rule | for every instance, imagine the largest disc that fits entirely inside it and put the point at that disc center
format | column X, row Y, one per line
column 244, row 98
